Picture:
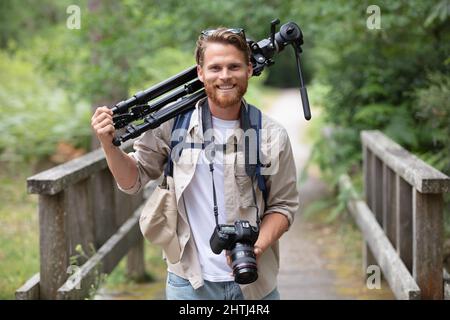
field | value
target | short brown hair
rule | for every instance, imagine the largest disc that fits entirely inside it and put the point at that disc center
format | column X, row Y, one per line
column 221, row 35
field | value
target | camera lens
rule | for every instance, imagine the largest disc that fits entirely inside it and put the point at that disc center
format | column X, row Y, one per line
column 243, row 262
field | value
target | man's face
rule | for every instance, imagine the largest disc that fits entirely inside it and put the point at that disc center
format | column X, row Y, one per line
column 225, row 74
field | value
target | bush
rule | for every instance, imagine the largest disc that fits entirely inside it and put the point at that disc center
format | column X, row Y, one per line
column 390, row 79
column 35, row 114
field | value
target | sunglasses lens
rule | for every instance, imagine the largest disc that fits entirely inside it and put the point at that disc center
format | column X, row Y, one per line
column 207, row 33
column 238, row 31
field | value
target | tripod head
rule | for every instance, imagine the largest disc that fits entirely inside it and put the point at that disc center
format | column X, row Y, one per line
column 185, row 89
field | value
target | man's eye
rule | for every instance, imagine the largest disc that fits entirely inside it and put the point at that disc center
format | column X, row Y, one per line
column 214, row 68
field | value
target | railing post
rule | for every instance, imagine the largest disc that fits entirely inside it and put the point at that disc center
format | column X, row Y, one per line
column 427, row 244
column 104, row 212
column 52, row 238
column 80, row 220
column 136, row 255
column 368, row 159
column 377, row 189
column 367, row 174
column 404, row 235
column 125, row 205
column 135, row 262
column 389, row 204
column 104, row 220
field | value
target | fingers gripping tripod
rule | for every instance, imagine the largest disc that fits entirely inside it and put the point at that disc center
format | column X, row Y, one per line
column 188, row 89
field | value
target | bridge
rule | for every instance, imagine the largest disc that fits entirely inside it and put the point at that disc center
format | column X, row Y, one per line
column 87, row 225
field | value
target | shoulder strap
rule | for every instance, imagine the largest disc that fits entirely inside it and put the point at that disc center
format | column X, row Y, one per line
column 181, row 122
column 255, row 122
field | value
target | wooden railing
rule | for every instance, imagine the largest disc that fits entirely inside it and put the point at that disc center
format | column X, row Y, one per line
column 80, row 207
column 401, row 218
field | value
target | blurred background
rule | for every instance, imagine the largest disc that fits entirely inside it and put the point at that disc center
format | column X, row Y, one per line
column 392, row 76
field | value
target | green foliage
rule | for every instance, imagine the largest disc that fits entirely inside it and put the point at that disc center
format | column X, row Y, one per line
column 35, row 114
column 332, row 207
column 20, row 18
column 125, row 46
column 336, row 152
column 394, row 79
column 433, row 112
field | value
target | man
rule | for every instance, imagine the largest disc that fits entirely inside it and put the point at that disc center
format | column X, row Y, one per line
column 223, row 65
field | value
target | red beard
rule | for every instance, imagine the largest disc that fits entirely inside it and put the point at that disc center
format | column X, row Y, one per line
column 228, row 99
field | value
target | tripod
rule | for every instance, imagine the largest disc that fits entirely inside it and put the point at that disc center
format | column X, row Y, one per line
column 188, row 89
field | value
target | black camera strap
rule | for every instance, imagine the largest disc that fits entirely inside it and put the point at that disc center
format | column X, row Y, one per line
column 216, row 208
column 207, row 124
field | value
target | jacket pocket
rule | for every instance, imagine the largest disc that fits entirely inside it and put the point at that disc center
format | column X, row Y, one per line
column 244, row 188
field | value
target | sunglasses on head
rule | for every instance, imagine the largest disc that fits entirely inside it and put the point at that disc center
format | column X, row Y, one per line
column 237, row 31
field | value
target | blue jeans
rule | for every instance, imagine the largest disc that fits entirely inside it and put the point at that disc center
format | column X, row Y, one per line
column 178, row 288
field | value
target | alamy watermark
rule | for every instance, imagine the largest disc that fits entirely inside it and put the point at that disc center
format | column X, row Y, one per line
column 373, row 277
column 373, row 22
column 75, row 276
column 267, row 149
column 74, row 19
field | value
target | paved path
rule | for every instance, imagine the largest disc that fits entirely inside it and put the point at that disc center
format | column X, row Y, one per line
column 302, row 271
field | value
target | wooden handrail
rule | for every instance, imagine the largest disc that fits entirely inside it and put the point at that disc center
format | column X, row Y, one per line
column 58, row 178
column 423, row 177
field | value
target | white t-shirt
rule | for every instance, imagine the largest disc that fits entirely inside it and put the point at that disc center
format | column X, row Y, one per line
column 198, row 197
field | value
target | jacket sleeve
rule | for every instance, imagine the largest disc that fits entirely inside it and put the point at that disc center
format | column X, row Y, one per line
column 151, row 152
column 281, row 182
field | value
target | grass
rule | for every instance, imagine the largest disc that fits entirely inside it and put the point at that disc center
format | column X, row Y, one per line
column 19, row 230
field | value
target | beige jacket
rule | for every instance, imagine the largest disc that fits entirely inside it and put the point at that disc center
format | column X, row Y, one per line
column 151, row 152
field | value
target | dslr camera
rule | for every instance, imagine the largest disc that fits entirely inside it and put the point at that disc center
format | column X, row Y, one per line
column 239, row 239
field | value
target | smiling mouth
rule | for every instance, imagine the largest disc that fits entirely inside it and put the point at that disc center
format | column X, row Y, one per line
column 227, row 87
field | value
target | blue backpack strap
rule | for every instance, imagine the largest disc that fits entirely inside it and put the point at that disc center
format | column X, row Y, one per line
column 181, row 122
column 255, row 121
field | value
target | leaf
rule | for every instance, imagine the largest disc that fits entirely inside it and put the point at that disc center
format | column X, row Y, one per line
column 374, row 114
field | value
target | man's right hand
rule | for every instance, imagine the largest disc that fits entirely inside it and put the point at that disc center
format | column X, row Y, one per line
column 103, row 126
column 123, row 167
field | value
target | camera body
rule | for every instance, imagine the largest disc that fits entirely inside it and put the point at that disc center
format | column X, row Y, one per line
column 225, row 236
column 239, row 239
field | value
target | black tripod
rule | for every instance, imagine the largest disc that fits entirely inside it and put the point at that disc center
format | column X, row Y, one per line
column 188, row 89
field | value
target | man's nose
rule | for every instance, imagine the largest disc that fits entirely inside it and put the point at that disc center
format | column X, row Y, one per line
column 225, row 74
